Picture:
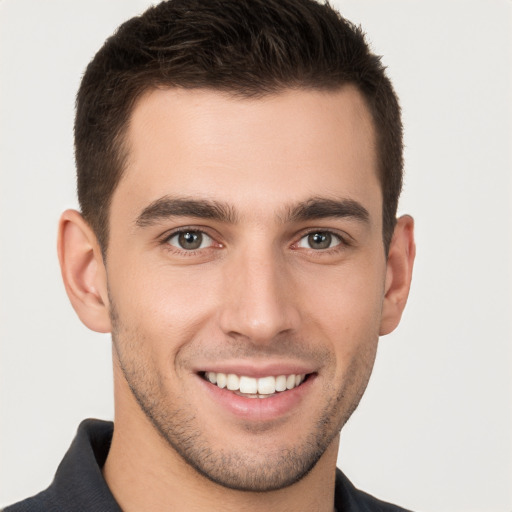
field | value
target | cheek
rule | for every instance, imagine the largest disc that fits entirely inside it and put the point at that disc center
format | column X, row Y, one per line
column 167, row 305
column 346, row 309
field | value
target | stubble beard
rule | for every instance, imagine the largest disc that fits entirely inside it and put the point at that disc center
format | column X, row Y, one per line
column 243, row 470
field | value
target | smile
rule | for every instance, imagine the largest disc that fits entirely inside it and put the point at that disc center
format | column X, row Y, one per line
column 251, row 387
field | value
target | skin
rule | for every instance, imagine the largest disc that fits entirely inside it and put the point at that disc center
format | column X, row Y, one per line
column 256, row 296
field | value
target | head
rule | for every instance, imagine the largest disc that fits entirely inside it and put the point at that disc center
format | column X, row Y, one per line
column 245, row 48
column 239, row 164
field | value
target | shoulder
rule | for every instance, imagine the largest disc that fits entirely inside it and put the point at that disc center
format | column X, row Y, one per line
column 348, row 497
column 42, row 502
column 78, row 483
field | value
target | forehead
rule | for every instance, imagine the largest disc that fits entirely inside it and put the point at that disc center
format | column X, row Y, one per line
column 255, row 154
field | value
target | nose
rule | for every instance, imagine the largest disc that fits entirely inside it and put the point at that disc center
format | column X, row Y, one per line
column 259, row 303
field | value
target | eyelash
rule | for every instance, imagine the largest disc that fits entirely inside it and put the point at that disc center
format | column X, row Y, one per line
column 344, row 241
column 165, row 241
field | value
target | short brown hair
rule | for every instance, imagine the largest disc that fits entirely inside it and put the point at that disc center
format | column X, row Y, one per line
column 249, row 48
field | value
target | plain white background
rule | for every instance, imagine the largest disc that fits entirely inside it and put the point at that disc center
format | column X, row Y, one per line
column 434, row 430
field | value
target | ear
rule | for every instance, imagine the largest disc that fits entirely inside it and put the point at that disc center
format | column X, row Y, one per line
column 402, row 251
column 83, row 271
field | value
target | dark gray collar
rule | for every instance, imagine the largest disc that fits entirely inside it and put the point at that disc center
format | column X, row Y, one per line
column 79, row 485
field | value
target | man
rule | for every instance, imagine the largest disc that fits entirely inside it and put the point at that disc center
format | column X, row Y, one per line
column 239, row 167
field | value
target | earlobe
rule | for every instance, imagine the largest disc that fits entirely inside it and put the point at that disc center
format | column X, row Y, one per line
column 83, row 271
column 400, row 263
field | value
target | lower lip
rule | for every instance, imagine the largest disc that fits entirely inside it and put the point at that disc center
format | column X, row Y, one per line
column 259, row 409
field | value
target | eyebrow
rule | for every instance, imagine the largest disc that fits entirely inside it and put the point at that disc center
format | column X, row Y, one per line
column 167, row 207
column 321, row 208
column 314, row 208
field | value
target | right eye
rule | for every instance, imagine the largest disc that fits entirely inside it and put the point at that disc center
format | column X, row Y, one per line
column 319, row 240
column 190, row 240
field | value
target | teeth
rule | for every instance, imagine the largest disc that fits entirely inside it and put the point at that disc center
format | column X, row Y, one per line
column 253, row 387
column 266, row 385
column 248, row 385
column 281, row 383
column 219, row 377
column 233, row 382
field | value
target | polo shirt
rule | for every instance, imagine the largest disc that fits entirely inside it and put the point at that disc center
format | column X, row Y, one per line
column 79, row 485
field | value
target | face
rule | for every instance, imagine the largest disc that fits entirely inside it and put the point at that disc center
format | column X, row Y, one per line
column 246, row 275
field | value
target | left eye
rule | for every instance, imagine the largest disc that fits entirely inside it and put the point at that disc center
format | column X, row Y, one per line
column 319, row 240
column 190, row 240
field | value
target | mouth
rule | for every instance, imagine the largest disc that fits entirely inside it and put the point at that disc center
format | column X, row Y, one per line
column 252, row 387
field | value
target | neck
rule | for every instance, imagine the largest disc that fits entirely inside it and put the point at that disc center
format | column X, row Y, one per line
column 144, row 472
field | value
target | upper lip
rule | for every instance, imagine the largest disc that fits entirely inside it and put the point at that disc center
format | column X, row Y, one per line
column 251, row 369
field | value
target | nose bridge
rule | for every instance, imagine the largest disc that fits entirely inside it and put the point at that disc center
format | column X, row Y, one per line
column 259, row 300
